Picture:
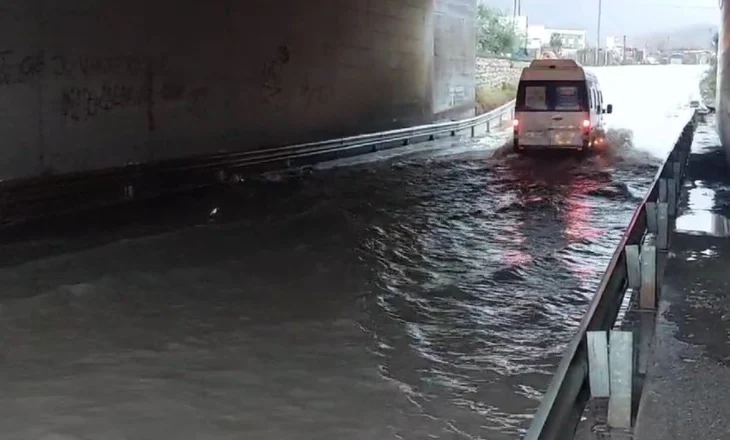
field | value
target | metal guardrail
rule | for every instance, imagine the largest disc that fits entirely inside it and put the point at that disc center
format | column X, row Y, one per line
column 563, row 404
column 29, row 198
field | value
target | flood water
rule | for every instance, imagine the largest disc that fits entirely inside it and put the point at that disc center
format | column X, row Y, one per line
column 419, row 295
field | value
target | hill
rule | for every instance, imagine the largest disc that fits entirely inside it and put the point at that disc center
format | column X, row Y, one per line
column 689, row 37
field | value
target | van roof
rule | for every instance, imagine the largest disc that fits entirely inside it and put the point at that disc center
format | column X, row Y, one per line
column 555, row 64
column 555, row 70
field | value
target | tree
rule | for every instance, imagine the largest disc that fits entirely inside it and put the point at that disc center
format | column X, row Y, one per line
column 556, row 43
column 708, row 85
column 495, row 33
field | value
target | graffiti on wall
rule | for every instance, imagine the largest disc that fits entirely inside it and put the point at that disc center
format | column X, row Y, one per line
column 99, row 84
column 83, row 103
column 457, row 95
column 20, row 68
column 313, row 94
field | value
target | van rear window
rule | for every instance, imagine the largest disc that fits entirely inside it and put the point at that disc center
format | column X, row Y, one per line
column 556, row 96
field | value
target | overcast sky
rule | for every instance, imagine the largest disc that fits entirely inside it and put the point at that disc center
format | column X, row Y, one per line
column 618, row 16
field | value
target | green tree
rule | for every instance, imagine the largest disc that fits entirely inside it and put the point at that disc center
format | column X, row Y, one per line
column 708, row 85
column 495, row 34
column 556, row 43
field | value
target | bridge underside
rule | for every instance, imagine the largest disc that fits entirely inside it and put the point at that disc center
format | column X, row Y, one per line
column 88, row 85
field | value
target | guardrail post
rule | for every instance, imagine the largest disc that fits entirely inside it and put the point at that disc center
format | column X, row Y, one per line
column 651, row 217
column 647, row 292
column 621, row 360
column 662, row 241
column 489, row 125
column 662, row 197
column 678, row 175
column 633, row 266
column 671, row 197
column 598, row 368
column 646, row 335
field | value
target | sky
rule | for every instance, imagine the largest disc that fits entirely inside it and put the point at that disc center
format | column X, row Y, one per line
column 619, row 17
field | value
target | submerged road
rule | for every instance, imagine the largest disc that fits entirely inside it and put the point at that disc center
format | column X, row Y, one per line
column 418, row 294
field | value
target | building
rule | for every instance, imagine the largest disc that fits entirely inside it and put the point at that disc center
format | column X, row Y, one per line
column 572, row 40
column 536, row 37
column 615, row 44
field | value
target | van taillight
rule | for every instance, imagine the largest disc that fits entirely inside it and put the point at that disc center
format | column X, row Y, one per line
column 586, row 123
column 515, row 123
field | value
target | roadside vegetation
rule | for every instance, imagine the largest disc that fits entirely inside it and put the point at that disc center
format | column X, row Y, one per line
column 489, row 98
column 708, row 86
column 496, row 36
column 496, row 33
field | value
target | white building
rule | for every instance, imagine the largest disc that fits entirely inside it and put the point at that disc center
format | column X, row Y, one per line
column 536, row 37
column 614, row 44
column 539, row 36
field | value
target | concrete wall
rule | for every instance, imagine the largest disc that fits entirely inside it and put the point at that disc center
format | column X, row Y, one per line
column 88, row 84
column 493, row 72
column 454, row 58
column 722, row 94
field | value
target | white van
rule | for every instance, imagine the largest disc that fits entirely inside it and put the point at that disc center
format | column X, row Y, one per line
column 559, row 106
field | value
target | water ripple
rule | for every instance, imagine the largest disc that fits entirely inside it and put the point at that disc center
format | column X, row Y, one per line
column 487, row 264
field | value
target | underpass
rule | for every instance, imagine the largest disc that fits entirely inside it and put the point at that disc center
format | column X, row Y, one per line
column 103, row 86
column 422, row 293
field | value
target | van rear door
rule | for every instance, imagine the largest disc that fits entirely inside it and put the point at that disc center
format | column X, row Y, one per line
column 532, row 111
column 551, row 113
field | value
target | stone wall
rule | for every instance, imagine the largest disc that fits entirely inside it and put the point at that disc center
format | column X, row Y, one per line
column 493, row 72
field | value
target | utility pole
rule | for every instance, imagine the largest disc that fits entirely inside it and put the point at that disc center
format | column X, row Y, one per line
column 514, row 17
column 519, row 14
column 598, row 35
column 623, row 52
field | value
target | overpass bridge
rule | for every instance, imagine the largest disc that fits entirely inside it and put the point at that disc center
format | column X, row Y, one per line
column 100, row 85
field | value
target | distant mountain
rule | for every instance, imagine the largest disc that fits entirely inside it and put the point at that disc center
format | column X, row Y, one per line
column 688, row 37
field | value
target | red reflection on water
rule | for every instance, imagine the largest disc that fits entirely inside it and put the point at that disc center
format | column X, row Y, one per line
column 579, row 224
column 514, row 237
column 516, row 257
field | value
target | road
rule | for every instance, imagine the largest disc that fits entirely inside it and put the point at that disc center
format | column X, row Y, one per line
column 413, row 294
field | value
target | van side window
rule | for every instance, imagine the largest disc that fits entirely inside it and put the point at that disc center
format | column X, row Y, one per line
column 594, row 99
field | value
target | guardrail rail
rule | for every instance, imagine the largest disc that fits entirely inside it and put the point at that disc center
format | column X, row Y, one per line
column 23, row 199
column 601, row 362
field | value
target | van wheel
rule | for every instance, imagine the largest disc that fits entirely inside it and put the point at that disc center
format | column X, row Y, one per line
column 517, row 149
column 585, row 150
